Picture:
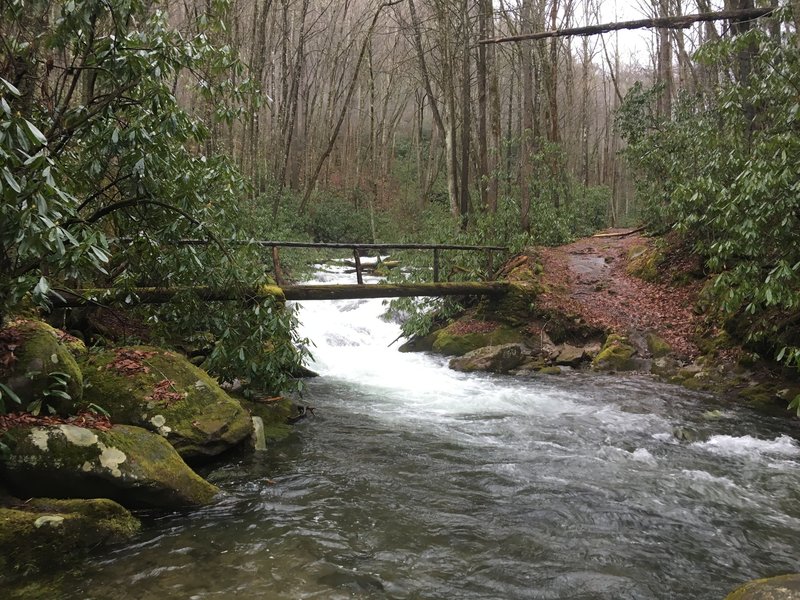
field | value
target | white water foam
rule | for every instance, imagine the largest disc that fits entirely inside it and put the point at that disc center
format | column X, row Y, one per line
column 750, row 447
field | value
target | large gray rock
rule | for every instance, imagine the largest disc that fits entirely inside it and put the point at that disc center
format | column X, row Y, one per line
column 783, row 587
column 131, row 465
column 163, row 392
column 493, row 359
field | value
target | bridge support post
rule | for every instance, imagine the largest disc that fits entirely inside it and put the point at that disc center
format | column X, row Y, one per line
column 435, row 265
column 489, row 265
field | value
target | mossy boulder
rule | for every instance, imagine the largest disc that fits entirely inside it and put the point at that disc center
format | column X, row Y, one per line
column 128, row 464
column 492, row 359
column 39, row 366
column 617, row 354
column 783, row 587
column 457, row 340
column 657, row 346
column 644, row 262
column 42, row 533
column 163, row 392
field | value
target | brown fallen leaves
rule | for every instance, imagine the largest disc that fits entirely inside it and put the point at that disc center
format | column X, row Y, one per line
column 129, row 362
column 84, row 419
column 164, row 392
column 588, row 278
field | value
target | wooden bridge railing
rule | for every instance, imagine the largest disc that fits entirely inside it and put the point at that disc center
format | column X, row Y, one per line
column 357, row 250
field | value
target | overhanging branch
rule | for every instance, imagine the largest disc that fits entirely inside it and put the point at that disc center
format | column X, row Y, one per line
column 679, row 22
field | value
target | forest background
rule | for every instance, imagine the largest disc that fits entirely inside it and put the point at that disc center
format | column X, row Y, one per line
column 362, row 121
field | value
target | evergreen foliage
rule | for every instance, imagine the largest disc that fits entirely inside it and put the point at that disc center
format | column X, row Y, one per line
column 724, row 170
column 95, row 146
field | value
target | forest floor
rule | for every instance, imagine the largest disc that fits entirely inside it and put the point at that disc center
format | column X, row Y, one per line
column 592, row 277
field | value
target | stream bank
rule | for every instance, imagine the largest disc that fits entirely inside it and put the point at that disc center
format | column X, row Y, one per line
column 618, row 302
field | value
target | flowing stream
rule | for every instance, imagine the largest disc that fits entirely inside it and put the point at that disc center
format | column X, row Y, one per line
column 414, row 481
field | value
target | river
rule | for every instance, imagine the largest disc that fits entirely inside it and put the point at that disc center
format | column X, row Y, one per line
column 414, row 481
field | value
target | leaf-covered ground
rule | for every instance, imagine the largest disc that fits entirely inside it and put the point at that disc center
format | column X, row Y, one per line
column 589, row 277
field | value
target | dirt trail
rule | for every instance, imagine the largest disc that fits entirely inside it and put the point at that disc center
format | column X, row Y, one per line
column 589, row 277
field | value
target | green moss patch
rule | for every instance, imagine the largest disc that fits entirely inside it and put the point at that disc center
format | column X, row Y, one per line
column 450, row 343
column 616, row 355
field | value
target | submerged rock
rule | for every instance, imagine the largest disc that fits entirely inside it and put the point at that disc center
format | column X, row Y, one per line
column 128, row 464
column 161, row 391
column 43, row 368
column 42, row 533
column 494, row 359
column 783, row 587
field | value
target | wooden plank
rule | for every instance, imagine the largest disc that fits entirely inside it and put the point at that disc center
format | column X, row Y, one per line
column 347, row 292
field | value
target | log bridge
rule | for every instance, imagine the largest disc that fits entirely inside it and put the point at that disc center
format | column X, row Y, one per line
column 151, row 295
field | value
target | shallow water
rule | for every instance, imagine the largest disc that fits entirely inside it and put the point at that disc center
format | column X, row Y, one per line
column 414, row 481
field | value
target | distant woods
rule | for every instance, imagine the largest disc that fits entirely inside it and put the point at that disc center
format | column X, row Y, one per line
column 397, row 105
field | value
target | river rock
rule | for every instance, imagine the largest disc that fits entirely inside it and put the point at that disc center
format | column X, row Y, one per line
column 493, row 359
column 40, row 367
column 617, row 355
column 783, row 587
column 570, row 356
column 41, row 533
column 128, row 464
column 457, row 339
column 163, row 392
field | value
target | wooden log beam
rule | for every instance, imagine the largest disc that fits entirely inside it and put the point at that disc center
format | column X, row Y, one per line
column 151, row 295
column 99, row 296
column 678, row 22
column 351, row 292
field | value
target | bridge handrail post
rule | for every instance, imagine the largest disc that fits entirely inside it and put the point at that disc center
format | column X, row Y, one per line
column 435, row 265
column 489, row 265
column 276, row 265
column 357, row 260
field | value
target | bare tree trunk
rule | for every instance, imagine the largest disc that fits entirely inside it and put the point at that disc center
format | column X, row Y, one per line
column 466, row 114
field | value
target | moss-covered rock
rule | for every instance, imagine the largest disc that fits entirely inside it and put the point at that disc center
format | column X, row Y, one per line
column 550, row 371
column 492, row 359
column 644, row 262
column 163, row 392
column 617, row 355
column 657, row 346
column 450, row 341
column 41, row 367
column 783, row 587
column 131, row 465
column 42, row 533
